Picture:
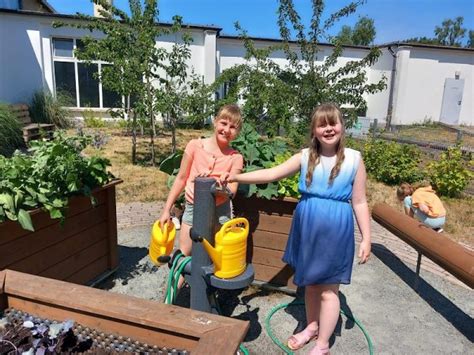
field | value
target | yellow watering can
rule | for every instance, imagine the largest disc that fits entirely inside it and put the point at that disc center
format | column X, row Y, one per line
column 161, row 242
column 229, row 255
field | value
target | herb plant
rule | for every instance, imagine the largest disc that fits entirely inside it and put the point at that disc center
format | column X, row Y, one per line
column 53, row 172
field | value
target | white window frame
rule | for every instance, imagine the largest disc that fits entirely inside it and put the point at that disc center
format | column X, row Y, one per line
column 76, row 61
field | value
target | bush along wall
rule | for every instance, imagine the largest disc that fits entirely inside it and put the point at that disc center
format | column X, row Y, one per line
column 53, row 171
column 11, row 137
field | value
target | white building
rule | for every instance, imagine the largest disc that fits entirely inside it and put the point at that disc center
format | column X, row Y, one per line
column 424, row 82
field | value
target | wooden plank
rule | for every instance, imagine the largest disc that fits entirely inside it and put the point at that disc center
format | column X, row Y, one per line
column 3, row 296
column 222, row 341
column 268, row 257
column 90, row 271
column 112, row 229
column 271, row 223
column 74, row 265
column 29, row 244
column 64, row 249
column 274, row 275
column 282, row 207
column 269, row 240
column 10, row 230
column 115, row 313
column 148, row 335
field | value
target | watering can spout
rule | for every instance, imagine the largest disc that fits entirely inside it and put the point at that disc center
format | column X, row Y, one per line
column 214, row 253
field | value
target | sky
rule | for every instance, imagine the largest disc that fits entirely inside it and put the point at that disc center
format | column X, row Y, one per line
column 394, row 19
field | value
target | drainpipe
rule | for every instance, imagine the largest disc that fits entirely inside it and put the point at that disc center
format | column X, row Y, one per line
column 392, row 85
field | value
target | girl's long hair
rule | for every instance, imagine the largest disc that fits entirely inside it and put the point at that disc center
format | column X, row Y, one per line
column 325, row 114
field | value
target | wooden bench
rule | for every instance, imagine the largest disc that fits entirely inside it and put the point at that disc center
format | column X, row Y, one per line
column 31, row 130
column 451, row 256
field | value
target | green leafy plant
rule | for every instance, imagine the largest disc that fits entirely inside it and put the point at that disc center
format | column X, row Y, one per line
column 450, row 175
column 170, row 165
column 289, row 186
column 54, row 171
column 91, row 121
column 10, row 132
column 45, row 108
column 392, row 163
column 259, row 153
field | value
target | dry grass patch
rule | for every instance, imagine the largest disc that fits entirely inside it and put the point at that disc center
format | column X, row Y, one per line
column 142, row 182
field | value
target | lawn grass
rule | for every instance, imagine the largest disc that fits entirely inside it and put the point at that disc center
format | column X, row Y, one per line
column 144, row 183
column 433, row 133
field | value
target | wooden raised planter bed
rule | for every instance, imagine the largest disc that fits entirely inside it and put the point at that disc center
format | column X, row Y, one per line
column 142, row 320
column 270, row 222
column 79, row 251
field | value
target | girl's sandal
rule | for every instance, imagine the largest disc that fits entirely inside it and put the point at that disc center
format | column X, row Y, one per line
column 299, row 340
column 319, row 351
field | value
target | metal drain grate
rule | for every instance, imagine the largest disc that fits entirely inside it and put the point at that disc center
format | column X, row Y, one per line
column 100, row 342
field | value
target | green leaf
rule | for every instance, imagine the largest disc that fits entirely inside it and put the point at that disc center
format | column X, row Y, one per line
column 24, row 219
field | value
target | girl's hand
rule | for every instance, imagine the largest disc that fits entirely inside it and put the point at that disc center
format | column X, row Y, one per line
column 364, row 251
column 227, row 178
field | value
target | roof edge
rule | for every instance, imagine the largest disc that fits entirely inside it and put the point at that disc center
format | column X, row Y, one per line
column 75, row 17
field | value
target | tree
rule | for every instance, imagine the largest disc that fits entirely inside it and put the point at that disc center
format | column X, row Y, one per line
column 363, row 33
column 470, row 41
column 451, row 32
column 286, row 95
column 140, row 70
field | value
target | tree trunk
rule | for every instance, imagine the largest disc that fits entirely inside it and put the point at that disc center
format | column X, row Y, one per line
column 134, row 136
column 152, row 122
column 172, row 121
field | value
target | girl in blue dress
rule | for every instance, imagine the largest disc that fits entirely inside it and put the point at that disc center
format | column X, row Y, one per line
column 320, row 246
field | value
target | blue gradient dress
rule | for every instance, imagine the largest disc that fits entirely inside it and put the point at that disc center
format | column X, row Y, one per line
column 320, row 246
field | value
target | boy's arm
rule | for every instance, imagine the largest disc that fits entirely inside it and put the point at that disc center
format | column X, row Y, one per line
column 178, row 187
column 263, row 176
column 361, row 210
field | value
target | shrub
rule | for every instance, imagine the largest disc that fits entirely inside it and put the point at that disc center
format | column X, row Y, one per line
column 44, row 108
column 392, row 163
column 10, row 131
column 450, row 174
column 91, row 121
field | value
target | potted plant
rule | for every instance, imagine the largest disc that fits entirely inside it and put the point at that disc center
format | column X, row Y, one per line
column 57, row 212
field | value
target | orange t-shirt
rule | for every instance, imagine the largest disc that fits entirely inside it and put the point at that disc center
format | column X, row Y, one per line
column 427, row 196
column 213, row 165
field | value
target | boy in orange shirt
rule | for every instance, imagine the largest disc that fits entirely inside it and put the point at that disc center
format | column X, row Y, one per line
column 211, row 157
column 423, row 204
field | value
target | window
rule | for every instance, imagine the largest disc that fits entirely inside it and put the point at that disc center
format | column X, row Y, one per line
column 78, row 80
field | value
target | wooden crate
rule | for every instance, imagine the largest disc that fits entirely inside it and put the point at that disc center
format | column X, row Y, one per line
column 270, row 222
column 80, row 250
column 146, row 321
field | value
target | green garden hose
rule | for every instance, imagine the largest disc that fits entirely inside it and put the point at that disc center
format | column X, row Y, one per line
column 286, row 349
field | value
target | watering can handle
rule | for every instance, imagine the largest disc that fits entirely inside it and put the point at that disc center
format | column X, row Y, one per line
column 229, row 224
